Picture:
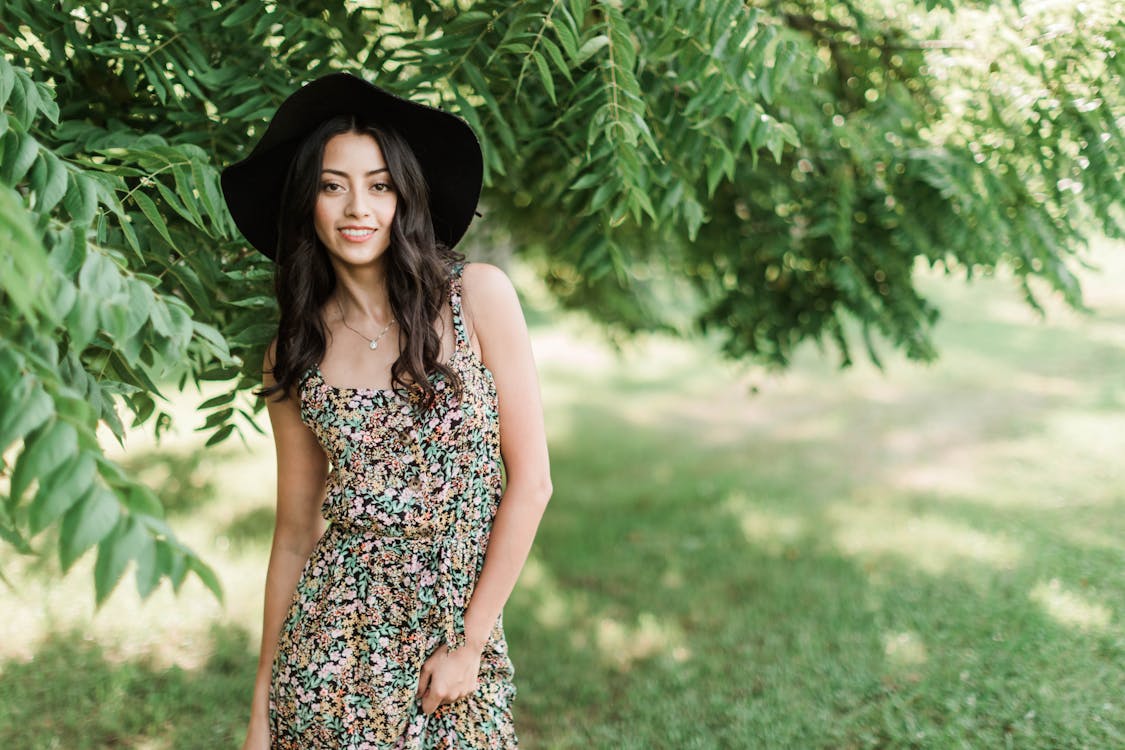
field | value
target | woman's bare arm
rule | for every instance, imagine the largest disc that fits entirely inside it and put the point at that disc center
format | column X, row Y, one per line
column 505, row 348
column 499, row 325
column 301, row 473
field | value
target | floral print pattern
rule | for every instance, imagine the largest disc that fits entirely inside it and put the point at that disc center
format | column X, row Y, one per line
column 410, row 500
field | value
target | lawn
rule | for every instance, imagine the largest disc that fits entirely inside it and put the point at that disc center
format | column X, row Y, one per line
column 920, row 557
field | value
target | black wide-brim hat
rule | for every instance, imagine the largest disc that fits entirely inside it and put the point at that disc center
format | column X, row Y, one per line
column 443, row 143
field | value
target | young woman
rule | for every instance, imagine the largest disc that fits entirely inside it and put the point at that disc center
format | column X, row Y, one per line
column 400, row 384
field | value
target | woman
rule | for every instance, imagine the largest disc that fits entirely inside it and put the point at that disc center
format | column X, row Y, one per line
column 399, row 381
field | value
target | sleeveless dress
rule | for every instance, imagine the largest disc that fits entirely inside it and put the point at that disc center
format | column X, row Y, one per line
column 410, row 499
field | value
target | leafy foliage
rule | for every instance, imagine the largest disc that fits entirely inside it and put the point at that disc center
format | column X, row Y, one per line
column 769, row 171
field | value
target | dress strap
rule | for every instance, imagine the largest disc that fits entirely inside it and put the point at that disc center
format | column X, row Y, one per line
column 460, row 332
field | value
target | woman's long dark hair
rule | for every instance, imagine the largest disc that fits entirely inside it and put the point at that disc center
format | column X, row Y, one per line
column 418, row 267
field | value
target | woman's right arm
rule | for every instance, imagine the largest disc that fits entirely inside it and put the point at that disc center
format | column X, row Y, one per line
column 302, row 469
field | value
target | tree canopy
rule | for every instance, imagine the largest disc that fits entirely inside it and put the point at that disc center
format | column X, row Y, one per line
column 769, row 172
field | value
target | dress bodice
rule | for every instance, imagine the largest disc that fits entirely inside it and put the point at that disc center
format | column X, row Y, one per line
column 428, row 479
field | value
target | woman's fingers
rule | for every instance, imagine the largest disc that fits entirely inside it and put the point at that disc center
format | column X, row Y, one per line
column 445, row 679
column 437, row 695
column 430, row 703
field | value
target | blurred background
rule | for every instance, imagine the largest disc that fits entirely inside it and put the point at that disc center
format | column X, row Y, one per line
column 926, row 556
column 827, row 304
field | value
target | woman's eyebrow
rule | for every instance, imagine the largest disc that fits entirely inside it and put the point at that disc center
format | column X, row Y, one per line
column 345, row 174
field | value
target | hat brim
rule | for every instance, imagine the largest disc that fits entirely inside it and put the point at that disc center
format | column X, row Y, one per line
column 446, row 148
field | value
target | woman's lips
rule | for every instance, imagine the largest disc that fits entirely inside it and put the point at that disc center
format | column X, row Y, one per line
column 357, row 235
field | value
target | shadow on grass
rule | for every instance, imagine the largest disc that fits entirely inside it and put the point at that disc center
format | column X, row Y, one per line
column 756, row 592
column 252, row 528
column 71, row 695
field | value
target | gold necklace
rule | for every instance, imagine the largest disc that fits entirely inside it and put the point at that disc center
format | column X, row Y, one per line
column 374, row 342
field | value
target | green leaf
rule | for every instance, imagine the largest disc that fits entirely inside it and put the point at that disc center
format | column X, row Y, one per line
column 567, row 39
column 81, row 199
column 181, row 321
column 147, row 575
column 214, row 340
column 587, row 181
column 557, row 58
column 545, row 76
column 140, row 499
column 16, row 163
column 183, row 76
column 590, row 48
column 221, row 400
column 207, row 575
column 92, row 517
column 212, row 201
column 43, row 452
column 56, row 185
column 64, row 299
column 467, row 20
column 118, row 319
column 222, row 434
column 26, row 414
column 46, row 103
column 82, row 320
column 172, row 561
column 115, row 551
column 152, row 213
column 24, row 102
column 61, row 490
column 13, row 537
column 100, row 277
column 7, row 80
column 162, row 318
column 176, row 204
column 243, row 12
column 23, row 275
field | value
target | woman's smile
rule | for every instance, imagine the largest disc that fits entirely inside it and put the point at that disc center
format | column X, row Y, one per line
column 357, row 234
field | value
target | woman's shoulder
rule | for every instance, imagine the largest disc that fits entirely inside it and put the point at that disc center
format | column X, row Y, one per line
column 483, row 280
column 488, row 295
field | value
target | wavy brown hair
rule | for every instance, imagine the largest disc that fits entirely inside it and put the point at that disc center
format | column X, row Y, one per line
column 418, row 268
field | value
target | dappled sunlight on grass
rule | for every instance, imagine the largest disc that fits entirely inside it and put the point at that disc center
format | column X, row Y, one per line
column 154, row 744
column 621, row 644
column 1070, row 608
column 933, row 544
column 771, row 532
column 549, row 604
column 618, row 643
column 905, row 649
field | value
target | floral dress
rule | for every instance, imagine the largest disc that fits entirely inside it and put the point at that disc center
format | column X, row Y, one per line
column 410, row 500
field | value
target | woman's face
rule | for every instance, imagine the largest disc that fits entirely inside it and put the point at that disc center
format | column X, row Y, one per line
column 356, row 200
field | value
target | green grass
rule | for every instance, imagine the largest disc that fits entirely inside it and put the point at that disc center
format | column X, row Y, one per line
column 927, row 557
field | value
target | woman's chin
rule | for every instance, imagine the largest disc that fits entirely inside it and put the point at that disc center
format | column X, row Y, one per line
column 358, row 255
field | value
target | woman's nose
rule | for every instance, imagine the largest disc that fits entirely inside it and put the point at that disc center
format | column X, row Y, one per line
column 357, row 204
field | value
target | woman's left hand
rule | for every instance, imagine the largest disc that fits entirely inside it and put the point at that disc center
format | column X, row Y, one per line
column 448, row 676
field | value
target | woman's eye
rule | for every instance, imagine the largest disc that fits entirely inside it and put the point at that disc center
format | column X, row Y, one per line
column 382, row 187
column 329, row 187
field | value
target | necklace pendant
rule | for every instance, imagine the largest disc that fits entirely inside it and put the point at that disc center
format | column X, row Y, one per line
column 374, row 345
